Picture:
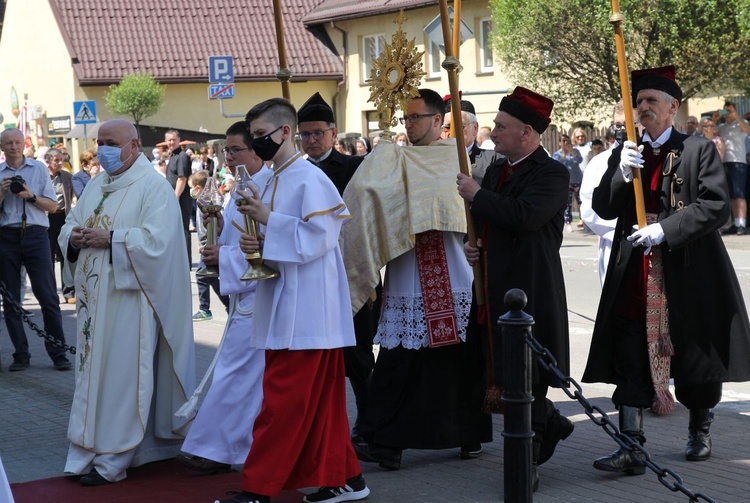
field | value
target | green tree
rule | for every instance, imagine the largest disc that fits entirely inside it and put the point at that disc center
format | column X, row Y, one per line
column 566, row 48
column 137, row 95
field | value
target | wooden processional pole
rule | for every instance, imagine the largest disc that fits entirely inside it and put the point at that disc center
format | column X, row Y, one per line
column 616, row 20
column 284, row 75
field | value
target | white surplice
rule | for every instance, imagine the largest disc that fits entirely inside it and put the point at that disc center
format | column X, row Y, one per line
column 402, row 321
column 223, row 429
column 603, row 228
column 308, row 305
column 135, row 361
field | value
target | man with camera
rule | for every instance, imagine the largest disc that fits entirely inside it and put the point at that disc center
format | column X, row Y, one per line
column 26, row 195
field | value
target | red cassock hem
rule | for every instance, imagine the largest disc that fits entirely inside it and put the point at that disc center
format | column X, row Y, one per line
column 301, row 436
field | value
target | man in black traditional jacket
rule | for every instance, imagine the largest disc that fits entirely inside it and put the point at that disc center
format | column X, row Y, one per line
column 671, row 304
column 518, row 213
column 317, row 134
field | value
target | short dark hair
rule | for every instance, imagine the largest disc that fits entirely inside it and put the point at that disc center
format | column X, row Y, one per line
column 172, row 131
column 240, row 129
column 597, row 142
column 278, row 111
column 432, row 100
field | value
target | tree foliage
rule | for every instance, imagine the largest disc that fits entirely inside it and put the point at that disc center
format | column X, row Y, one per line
column 137, row 95
column 565, row 49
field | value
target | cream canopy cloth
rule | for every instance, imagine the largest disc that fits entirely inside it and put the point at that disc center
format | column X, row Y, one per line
column 396, row 193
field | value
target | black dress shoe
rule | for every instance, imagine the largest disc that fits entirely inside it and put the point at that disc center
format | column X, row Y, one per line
column 62, row 363
column 386, row 457
column 93, row 478
column 622, row 461
column 19, row 364
column 560, row 429
column 203, row 465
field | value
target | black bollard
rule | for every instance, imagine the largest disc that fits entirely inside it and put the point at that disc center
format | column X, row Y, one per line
column 515, row 325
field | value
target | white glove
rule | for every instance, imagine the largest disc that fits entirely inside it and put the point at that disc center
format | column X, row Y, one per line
column 651, row 235
column 630, row 159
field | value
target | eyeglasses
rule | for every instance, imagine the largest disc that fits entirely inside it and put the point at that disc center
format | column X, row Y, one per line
column 234, row 150
column 411, row 119
column 564, row 141
column 581, row 136
column 318, row 135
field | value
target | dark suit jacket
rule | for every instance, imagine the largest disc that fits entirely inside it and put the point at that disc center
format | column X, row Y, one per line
column 474, row 151
column 708, row 322
column 67, row 183
column 340, row 168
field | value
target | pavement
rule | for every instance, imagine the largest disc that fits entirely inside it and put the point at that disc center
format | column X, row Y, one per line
column 35, row 404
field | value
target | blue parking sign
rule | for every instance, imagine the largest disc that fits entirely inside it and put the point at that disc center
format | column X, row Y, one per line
column 220, row 69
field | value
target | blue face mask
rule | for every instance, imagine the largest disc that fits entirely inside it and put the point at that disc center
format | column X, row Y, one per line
column 109, row 158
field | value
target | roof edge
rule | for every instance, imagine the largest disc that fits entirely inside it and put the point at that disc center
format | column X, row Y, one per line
column 191, row 80
column 312, row 19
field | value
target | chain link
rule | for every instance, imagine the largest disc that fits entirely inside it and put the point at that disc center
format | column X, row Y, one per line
column 600, row 418
column 33, row 326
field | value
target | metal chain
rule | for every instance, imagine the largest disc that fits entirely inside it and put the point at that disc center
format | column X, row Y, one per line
column 548, row 362
column 25, row 317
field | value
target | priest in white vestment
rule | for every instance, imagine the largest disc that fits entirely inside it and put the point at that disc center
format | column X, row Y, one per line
column 135, row 361
column 222, row 432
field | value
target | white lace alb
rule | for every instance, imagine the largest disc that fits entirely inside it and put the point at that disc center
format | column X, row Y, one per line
column 403, row 320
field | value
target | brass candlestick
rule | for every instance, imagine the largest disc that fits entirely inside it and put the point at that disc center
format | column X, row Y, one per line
column 256, row 269
column 210, row 201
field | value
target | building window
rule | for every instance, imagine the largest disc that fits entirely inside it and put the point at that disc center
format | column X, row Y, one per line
column 435, row 58
column 486, row 64
column 372, row 47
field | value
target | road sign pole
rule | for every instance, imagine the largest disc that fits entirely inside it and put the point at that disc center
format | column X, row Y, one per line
column 85, row 137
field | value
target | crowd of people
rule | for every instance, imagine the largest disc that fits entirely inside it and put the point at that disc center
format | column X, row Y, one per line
column 327, row 221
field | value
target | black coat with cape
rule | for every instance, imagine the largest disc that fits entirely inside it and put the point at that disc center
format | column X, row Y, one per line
column 707, row 315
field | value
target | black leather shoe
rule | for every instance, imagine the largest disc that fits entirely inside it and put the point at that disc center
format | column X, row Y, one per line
column 621, row 461
column 19, row 364
column 203, row 465
column 386, row 457
column 559, row 429
column 62, row 363
column 93, row 478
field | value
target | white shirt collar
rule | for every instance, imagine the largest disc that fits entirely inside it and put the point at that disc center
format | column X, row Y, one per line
column 661, row 140
column 322, row 157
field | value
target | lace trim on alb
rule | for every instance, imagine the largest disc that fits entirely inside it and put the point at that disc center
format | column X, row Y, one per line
column 403, row 320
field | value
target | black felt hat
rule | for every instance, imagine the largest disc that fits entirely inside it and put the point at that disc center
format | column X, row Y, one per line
column 661, row 79
column 315, row 109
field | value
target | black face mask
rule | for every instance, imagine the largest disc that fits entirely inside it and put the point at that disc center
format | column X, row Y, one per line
column 621, row 135
column 265, row 147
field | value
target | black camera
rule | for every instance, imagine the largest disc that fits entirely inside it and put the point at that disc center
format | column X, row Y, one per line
column 16, row 184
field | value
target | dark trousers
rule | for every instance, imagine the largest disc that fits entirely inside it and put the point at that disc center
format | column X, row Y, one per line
column 56, row 222
column 633, row 373
column 204, row 294
column 186, row 208
column 33, row 251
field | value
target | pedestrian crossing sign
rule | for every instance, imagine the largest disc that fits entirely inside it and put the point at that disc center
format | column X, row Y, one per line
column 84, row 112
